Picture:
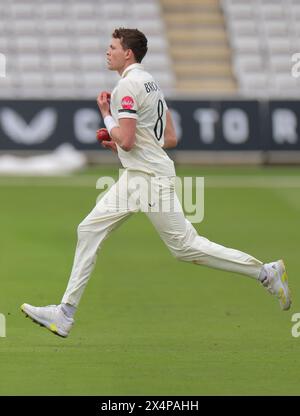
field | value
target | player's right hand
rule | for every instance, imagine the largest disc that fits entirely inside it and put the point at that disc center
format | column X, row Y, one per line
column 102, row 134
column 109, row 145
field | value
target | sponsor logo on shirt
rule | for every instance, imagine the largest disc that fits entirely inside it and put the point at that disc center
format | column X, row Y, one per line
column 127, row 103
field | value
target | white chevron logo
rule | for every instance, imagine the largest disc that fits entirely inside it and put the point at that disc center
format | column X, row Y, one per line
column 37, row 131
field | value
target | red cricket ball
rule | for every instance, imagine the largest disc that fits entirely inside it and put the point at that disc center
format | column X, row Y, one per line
column 102, row 135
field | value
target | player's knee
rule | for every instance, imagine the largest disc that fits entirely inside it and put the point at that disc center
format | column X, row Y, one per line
column 180, row 251
column 183, row 249
column 180, row 255
column 79, row 231
column 82, row 230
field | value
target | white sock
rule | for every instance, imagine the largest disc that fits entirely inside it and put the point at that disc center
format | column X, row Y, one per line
column 263, row 274
column 68, row 310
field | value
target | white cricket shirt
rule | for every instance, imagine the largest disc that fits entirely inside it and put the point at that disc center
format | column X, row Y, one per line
column 138, row 96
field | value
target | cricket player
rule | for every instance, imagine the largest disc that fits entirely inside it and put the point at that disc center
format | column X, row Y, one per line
column 140, row 127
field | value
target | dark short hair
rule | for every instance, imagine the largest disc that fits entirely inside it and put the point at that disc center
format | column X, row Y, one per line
column 132, row 39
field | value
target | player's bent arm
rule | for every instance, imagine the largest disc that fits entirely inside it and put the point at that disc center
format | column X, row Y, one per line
column 170, row 134
column 124, row 135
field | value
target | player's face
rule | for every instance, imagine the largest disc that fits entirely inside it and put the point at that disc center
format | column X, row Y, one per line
column 116, row 55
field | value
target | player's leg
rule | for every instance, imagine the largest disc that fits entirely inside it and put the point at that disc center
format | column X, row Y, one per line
column 92, row 231
column 185, row 244
column 108, row 214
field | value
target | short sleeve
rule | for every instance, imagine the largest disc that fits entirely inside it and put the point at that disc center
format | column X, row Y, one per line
column 127, row 105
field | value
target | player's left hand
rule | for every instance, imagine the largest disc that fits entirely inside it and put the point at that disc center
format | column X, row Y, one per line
column 103, row 101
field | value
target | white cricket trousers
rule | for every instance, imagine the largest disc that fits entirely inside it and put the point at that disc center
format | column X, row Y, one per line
column 131, row 194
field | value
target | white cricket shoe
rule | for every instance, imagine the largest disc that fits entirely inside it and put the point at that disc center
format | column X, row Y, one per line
column 51, row 317
column 276, row 283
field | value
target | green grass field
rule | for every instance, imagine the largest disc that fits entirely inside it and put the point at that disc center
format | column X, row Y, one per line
column 148, row 324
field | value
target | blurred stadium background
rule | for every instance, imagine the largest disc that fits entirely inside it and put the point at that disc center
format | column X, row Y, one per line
column 227, row 67
column 147, row 324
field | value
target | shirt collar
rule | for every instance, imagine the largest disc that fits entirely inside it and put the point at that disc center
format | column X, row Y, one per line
column 130, row 67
